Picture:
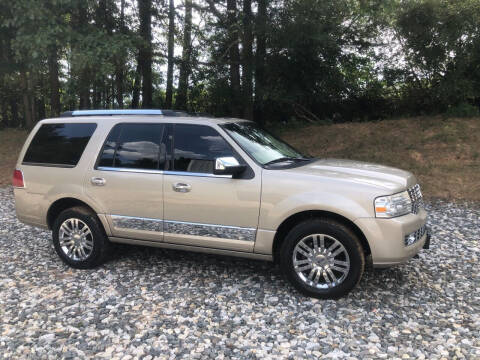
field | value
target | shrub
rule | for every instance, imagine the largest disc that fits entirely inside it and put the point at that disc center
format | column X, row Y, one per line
column 463, row 110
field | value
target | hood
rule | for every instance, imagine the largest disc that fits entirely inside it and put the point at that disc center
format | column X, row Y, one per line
column 374, row 175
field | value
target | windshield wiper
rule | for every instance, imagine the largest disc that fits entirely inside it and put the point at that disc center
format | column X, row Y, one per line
column 282, row 159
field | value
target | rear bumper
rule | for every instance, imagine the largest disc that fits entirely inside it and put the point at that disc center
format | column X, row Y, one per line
column 386, row 237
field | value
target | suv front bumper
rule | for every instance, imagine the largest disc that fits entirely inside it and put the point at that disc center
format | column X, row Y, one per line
column 386, row 237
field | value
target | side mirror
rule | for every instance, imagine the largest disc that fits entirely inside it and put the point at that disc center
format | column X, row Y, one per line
column 228, row 166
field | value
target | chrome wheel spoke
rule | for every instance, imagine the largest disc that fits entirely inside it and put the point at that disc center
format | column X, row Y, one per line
column 305, row 267
column 341, row 263
column 305, row 248
column 332, row 275
column 66, row 230
column 85, row 231
column 316, row 240
column 342, row 270
column 322, row 241
column 327, row 280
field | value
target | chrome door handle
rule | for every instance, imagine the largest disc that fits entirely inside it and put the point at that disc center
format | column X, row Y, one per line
column 98, row 181
column 181, row 187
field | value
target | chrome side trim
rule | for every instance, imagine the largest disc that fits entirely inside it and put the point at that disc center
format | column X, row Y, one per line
column 168, row 172
column 184, row 228
column 200, row 249
column 216, row 231
column 136, row 223
column 185, row 173
column 130, row 170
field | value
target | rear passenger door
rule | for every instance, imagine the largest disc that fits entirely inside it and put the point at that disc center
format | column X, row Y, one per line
column 127, row 180
column 203, row 209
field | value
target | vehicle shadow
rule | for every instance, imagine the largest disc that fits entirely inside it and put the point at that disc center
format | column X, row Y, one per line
column 264, row 274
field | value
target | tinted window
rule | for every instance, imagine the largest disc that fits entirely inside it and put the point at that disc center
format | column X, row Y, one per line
column 59, row 144
column 134, row 146
column 109, row 148
column 196, row 147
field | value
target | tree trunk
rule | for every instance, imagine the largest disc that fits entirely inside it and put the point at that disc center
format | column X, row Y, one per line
column 261, row 31
column 54, row 82
column 14, row 109
column 247, row 60
column 84, row 89
column 234, row 58
column 181, row 101
column 170, row 55
column 27, row 106
column 80, row 21
column 145, row 51
column 136, row 86
column 120, row 63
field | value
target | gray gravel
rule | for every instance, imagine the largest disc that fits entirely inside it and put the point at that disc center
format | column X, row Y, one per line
column 152, row 303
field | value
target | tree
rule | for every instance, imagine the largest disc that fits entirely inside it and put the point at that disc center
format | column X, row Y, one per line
column 170, row 55
column 145, row 51
column 261, row 36
column 234, row 58
column 181, row 101
column 247, row 60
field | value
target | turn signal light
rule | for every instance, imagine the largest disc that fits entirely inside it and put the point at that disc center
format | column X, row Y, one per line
column 17, row 180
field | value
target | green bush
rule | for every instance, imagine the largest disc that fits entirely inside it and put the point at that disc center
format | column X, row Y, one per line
column 463, row 110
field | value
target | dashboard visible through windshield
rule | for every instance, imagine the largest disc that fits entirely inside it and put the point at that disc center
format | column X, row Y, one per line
column 262, row 146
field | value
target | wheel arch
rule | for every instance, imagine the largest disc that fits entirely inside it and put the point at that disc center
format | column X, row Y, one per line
column 62, row 204
column 296, row 218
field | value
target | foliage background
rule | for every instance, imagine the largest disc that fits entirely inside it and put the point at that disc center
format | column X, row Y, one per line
column 272, row 61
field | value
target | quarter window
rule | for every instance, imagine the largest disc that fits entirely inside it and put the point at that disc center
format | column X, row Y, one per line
column 59, row 144
column 134, row 146
column 196, row 147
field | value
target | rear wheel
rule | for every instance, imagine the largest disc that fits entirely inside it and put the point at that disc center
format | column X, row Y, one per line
column 322, row 258
column 79, row 238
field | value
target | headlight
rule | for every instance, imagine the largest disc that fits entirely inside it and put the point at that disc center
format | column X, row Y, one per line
column 393, row 205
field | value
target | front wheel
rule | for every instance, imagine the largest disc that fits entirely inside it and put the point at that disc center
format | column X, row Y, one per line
column 322, row 258
column 79, row 238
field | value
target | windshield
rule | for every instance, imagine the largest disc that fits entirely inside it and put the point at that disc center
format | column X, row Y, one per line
column 261, row 145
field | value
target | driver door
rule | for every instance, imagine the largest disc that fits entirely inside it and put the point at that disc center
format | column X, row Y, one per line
column 203, row 209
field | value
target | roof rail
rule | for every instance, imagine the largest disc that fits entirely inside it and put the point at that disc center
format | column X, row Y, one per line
column 112, row 112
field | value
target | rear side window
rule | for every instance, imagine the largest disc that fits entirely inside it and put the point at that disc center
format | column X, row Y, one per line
column 135, row 146
column 196, row 147
column 59, row 144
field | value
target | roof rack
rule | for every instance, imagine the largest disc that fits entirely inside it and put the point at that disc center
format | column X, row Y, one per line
column 117, row 112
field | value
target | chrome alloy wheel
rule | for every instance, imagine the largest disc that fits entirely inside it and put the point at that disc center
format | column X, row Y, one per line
column 76, row 239
column 321, row 261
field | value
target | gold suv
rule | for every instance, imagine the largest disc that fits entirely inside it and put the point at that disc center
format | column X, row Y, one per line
column 215, row 185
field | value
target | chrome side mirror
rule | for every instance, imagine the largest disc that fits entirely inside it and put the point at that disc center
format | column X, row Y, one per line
column 228, row 166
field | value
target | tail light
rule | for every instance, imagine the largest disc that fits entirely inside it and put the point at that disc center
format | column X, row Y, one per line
column 17, row 180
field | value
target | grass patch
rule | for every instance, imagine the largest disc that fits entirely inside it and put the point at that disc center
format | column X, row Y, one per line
column 11, row 142
column 443, row 153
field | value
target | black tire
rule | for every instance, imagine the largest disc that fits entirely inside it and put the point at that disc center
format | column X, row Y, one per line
column 101, row 245
column 340, row 233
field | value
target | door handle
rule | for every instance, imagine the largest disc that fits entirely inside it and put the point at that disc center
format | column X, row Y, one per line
column 181, row 187
column 98, row 181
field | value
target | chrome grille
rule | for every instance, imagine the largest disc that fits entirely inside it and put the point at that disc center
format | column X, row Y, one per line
column 416, row 197
column 415, row 236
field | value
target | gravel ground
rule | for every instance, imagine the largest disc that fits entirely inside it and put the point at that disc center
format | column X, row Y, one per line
column 152, row 303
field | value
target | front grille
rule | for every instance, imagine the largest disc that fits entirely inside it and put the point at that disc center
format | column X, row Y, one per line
column 416, row 197
column 415, row 236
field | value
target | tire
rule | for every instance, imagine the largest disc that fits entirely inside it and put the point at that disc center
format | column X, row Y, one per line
column 319, row 260
column 88, row 250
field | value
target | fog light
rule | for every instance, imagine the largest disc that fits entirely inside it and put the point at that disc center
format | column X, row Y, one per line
column 409, row 239
column 415, row 236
